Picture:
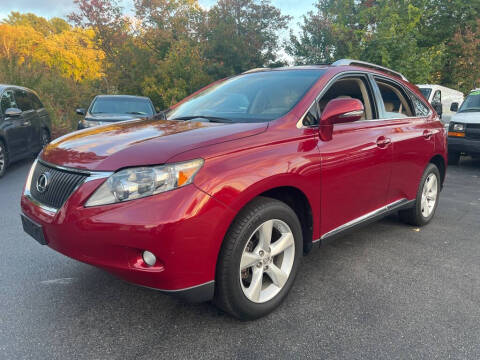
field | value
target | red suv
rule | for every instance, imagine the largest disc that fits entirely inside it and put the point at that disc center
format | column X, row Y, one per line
column 221, row 200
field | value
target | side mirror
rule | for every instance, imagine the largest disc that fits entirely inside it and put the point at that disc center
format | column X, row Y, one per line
column 339, row 111
column 80, row 111
column 13, row 112
column 454, row 107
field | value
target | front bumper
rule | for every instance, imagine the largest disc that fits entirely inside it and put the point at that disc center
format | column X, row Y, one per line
column 184, row 228
column 464, row 145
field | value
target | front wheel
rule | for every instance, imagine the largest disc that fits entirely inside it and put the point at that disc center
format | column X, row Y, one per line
column 45, row 139
column 3, row 158
column 259, row 259
column 427, row 198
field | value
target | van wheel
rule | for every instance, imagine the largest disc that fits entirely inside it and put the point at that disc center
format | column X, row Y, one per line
column 3, row 158
column 259, row 259
column 427, row 199
column 453, row 158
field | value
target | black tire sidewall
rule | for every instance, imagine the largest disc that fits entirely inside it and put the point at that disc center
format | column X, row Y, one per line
column 5, row 157
column 244, row 308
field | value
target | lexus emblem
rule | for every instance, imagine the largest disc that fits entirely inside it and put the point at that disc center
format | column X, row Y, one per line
column 42, row 182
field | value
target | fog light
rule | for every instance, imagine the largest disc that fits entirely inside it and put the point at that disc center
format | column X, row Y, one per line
column 149, row 258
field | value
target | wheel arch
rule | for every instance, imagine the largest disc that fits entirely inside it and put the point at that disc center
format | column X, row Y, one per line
column 439, row 161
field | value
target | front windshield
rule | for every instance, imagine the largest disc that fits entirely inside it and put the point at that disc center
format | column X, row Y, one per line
column 121, row 105
column 471, row 103
column 254, row 97
column 426, row 92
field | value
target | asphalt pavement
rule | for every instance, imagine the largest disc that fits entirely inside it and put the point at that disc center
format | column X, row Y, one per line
column 386, row 291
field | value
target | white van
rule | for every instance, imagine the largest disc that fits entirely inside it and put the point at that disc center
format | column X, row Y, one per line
column 441, row 99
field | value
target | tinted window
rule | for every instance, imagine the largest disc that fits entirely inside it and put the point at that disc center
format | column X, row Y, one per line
column 121, row 105
column 7, row 100
column 426, row 92
column 37, row 104
column 253, row 97
column 23, row 100
column 419, row 107
column 471, row 103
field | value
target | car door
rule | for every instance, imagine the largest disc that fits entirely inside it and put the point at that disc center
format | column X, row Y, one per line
column 12, row 126
column 356, row 162
column 40, row 120
column 29, row 118
column 412, row 136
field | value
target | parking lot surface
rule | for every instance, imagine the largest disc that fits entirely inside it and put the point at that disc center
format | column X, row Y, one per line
column 386, row 291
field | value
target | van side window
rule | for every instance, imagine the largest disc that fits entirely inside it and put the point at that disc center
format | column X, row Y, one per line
column 7, row 101
column 396, row 103
column 437, row 97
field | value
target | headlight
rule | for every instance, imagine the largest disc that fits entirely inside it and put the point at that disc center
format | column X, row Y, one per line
column 458, row 127
column 135, row 183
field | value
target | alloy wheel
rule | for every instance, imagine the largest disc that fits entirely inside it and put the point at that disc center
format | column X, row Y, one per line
column 45, row 139
column 429, row 195
column 267, row 261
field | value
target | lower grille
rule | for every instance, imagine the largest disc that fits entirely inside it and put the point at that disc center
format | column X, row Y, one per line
column 52, row 186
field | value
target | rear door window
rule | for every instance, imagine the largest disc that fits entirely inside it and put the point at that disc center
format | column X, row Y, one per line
column 396, row 103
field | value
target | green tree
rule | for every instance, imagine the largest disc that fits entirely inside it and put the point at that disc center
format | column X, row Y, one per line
column 242, row 34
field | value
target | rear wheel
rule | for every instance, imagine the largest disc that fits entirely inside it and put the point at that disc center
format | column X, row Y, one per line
column 259, row 259
column 453, row 158
column 427, row 199
column 3, row 158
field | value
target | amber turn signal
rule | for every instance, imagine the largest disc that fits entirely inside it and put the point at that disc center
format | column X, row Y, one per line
column 456, row 134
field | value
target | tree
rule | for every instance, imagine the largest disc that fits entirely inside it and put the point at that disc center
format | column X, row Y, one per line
column 242, row 34
column 406, row 35
column 466, row 49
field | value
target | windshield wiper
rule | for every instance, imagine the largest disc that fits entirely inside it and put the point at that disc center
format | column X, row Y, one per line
column 209, row 118
column 136, row 113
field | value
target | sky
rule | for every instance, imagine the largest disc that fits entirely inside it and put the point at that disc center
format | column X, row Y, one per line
column 60, row 8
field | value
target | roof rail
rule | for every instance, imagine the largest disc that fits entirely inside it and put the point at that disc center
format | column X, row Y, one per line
column 346, row 62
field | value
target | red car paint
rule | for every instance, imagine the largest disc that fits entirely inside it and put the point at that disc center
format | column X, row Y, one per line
column 364, row 166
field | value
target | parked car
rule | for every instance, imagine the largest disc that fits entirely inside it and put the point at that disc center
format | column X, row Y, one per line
column 24, row 125
column 221, row 200
column 441, row 98
column 107, row 109
column 464, row 129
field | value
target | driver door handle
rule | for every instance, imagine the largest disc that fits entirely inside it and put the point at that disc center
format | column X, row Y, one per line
column 383, row 142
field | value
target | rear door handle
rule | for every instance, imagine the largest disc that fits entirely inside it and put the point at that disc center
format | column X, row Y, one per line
column 383, row 142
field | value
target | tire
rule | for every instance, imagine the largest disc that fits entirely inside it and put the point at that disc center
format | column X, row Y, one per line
column 453, row 158
column 425, row 206
column 3, row 158
column 234, row 289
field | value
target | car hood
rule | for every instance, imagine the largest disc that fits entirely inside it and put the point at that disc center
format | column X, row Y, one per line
column 467, row 117
column 140, row 142
column 112, row 117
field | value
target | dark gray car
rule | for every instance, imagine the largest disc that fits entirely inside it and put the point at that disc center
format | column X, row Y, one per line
column 24, row 124
column 106, row 109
